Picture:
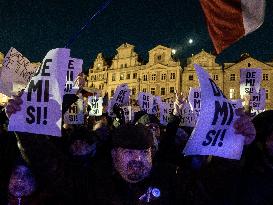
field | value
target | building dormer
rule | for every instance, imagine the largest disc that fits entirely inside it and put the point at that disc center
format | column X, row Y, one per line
column 100, row 63
column 204, row 59
column 125, row 57
column 162, row 55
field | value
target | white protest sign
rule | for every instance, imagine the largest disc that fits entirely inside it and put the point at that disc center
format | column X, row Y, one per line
column 95, row 105
column 214, row 132
column 75, row 114
column 41, row 111
column 127, row 110
column 73, row 69
column 188, row 118
column 16, row 72
column 250, row 80
column 165, row 110
column 155, row 110
column 257, row 100
column 121, row 97
column 145, row 101
column 195, row 100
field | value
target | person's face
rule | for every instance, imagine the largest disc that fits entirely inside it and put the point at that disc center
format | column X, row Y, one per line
column 132, row 165
column 22, row 182
column 269, row 145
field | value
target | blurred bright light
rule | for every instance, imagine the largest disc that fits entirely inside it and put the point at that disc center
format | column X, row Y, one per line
column 173, row 51
column 190, row 41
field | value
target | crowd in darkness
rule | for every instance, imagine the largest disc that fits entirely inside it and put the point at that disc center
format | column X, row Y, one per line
column 106, row 161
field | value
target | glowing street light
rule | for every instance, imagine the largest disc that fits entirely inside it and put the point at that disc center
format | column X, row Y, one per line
column 173, row 51
column 190, row 41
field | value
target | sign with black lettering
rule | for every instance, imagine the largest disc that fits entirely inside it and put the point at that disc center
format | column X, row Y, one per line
column 73, row 69
column 195, row 100
column 250, row 80
column 120, row 98
column 16, row 72
column 257, row 100
column 188, row 118
column 75, row 114
column 237, row 103
column 166, row 109
column 41, row 111
column 95, row 104
column 145, row 101
column 127, row 110
column 214, row 133
column 155, row 110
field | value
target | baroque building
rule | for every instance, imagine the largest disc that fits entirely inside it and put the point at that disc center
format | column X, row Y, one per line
column 162, row 75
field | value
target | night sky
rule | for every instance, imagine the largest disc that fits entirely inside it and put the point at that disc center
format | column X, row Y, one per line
column 34, row 27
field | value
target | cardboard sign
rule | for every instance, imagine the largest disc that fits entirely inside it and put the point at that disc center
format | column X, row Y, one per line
column 41, row 111
column 16, row 72
column 127, row 110
column 250, row 80
column 188, row 118
column 120, row 98
column 75, row 114
column 195, row 100
column 73, row 69
column 165, row 110
column 214, row 132
column 257, row 100
column 145, row 101
column 95, row 105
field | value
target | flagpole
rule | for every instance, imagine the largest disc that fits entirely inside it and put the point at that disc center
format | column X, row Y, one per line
column 87, row 23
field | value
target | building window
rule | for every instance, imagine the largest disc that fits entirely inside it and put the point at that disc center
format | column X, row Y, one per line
column 145, row 77
column 121, row 76
column 190, row 77
column 265, row 76
column 144, row 90
column 159, row 57
column 171, row 89
column 153, row 77
column 112, row 93
column 153, row 91
column 162, row 91
column 128, row 76
column 91, row 78
column 113, row 77
column 133, row 91
column 266, row 94
column 134, row 75
column 232, row 93
column 121, row 66
column 172, row 76
column 232, row 77
column 215, row 77
column 95, row 77
column 163, row 76
column 100, row 87
column 125, row 65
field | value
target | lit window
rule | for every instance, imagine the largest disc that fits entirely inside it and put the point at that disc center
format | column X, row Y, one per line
column 265, row 76
column 153, row 77
column 215, row 77
column 121, row 76
column 190, row 77
column 153, row 91
column 113, row 77
column 232, row 77
column 163, row 76
column 232, row 93
column 145, row 77
column 172, row 76
column 162, row 91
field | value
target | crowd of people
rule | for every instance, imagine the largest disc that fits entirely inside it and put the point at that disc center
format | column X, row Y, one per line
column 140, row 162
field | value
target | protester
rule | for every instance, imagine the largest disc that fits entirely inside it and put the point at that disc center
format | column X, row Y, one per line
column 257, row 177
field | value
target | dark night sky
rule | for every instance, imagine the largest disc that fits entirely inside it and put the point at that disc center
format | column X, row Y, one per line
column 35, row 26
